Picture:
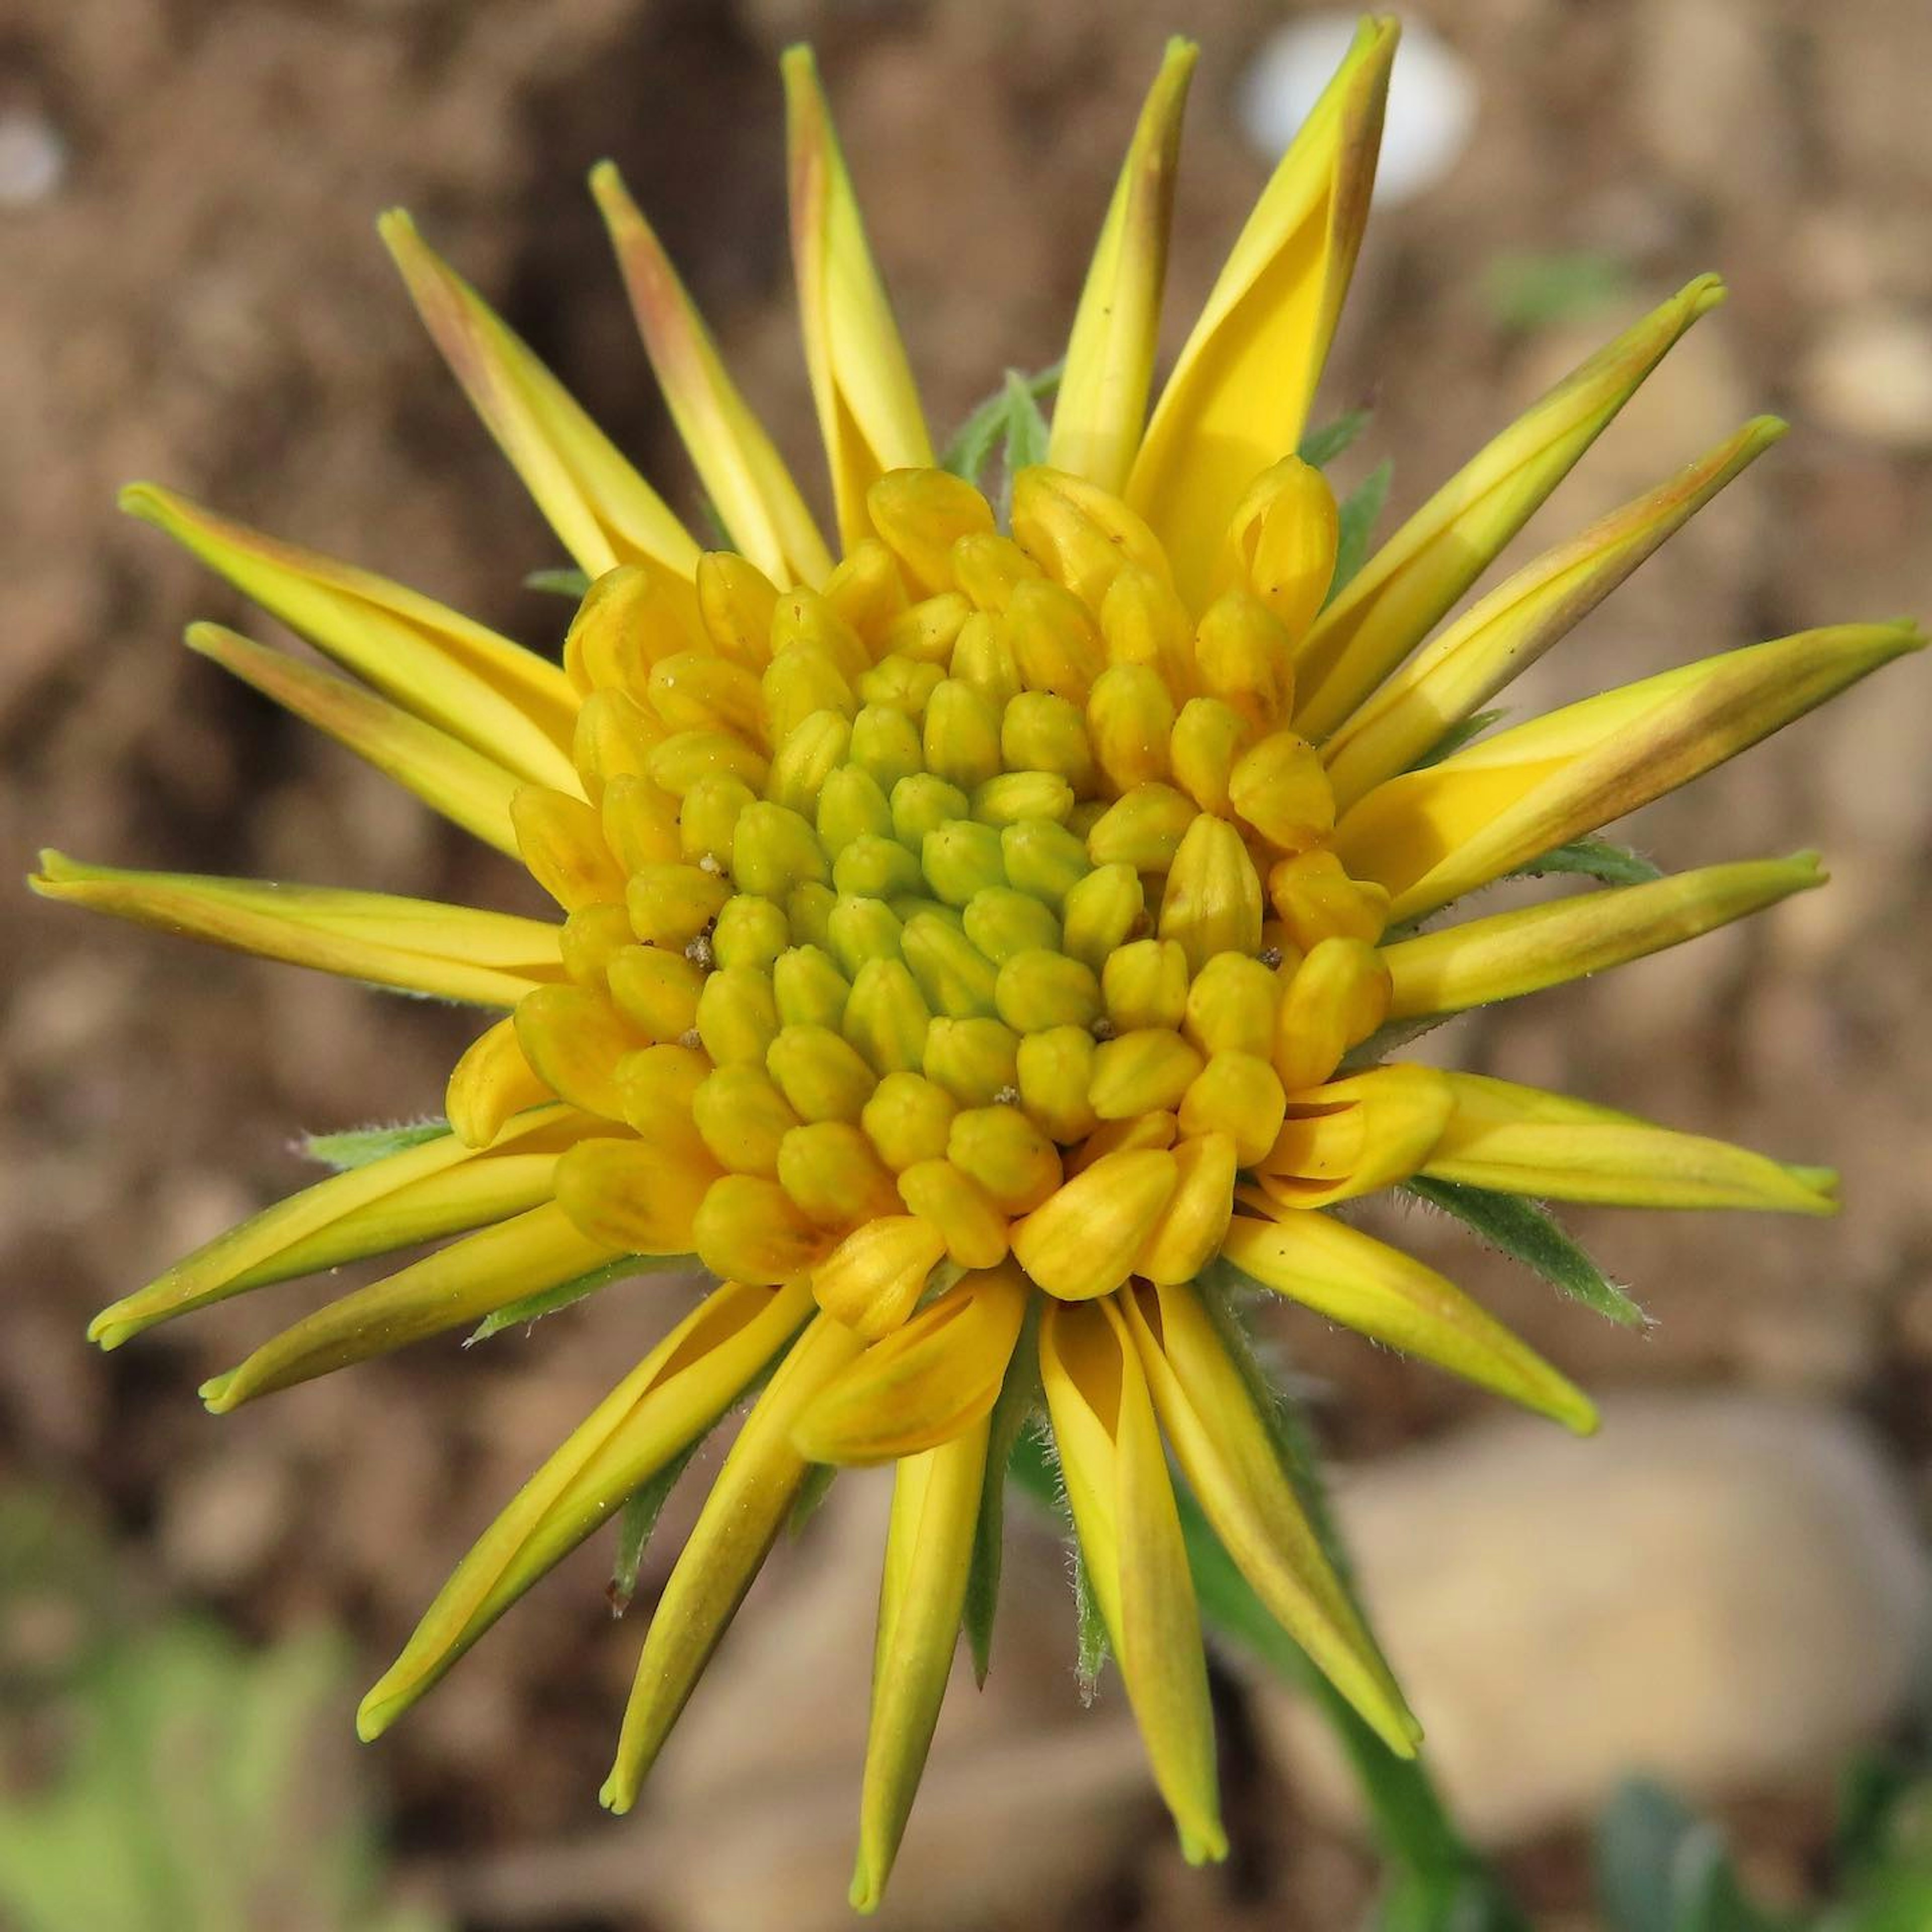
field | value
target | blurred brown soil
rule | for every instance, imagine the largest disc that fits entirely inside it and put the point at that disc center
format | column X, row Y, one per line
column 201, row 301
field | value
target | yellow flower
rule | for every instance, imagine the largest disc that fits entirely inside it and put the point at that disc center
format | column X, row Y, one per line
column 973, row 942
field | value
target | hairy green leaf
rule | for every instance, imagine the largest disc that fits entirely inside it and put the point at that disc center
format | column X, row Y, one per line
column 1532, row 1235
column 548, row 1300
column 1320, row 447
column 1356, row 520
column 562, row 582
column 972, row 446
column 1592, row 858
column 1019, row 1399
column 359, row 1146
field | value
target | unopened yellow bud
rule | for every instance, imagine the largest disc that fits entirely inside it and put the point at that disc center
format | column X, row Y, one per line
column 629, row 1196
column 736, row 600
column 742, row 1117
column 988, row 568
column 961, row 857
column 867, row 590
column 749, row 1229
column 1101, row 913
column 1231, row 1006
column 685, row 757
column 698, row 691
column 1208, row 737
column 921, row 513
column 1039, row 732
column 815, row 749
column 1192, row 1226
column 802, row 616
column 737, row 1017
column 922, row 803
column 1055, row 643
column 773, row 849
column 1020, row 798
column 961, row 739
column 1006, row 1154
column 972, row 1226
column 907, row 1120
column 491, row 1081
column 982, row 658
column 1316, row 899
column 1279, row 788
column 873, row 1279
column 1281, row 543
column 658, row 1083
column 708, row 819
column 573, row 1038
column 860, row 930
column 1338, row 996
column 1084, row 1241
column 1001, row 921
column 875, row 868
column 1157, row 1131
column 925, row 631
column 904, row 684
column 1238, row 1094
column 820, row 1074
column 613, row 738
column 640, row 823
column 1040, row 990
column 671, row 905
column 809, row 988
column 1358, row 1136
column 955, row 976
column 1082, row 536
column 808, row 910
column 591, row 938
column 656, row 990
column 1044, row 860
column 561, row 840
column 1144, row 622
column 617, row 632
column 974, row 1059
column 1130, row 715
column 1055, row 1069
column 799, row 681
column 850, row 806
column 750, row 931
column 886, row 1018
column 1145, row 984
column 885, row 743
column 1243, row 650
column 830, row 1170
column 1143, row 830
column 1142, row 1072
column 1213, row 901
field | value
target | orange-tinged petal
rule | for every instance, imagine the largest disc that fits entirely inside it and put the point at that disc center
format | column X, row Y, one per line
column 1101, row 405
column 602, row 511
column 868, row 413
column 743, row 474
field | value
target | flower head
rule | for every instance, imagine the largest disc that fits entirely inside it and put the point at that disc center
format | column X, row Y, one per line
column 979, row 937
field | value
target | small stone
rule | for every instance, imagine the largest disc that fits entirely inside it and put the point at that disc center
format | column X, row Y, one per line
column 1727, row 1591
column 1432, row 99
column 1870, row 375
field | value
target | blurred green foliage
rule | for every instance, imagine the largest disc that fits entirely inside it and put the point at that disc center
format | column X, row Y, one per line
column 167, row 1778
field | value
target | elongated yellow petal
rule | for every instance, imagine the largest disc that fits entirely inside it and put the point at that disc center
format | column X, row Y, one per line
column 604, row 513
column 1512, row 953
column 253, row 1252
column 420, row 946
column 490, row 1083
column 924, row 1383
column 741, row 1519
column 1432, row 834
column 1452, row 678
column 1223, row 1445
column 1521, row 1140
column 1384, row 1293
column 1238, row 398
column 1123, row 1502
column 501, row 699
column 1101, row 406
column 682, row 1387
column 468, row 788
column 451, row 1288
column 928, row 1554
column 1084, row 1240
column 868, row 412
column 743, row 474
column 1404, row 589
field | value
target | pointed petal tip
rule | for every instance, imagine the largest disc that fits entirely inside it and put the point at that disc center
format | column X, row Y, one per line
column 151, row 502
column 1204, row 1843
column 111, row 1327
column 218, row 1394
column 377, row 1711
column 867, row 1890
column 617, row 1794
column 1702, row 293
